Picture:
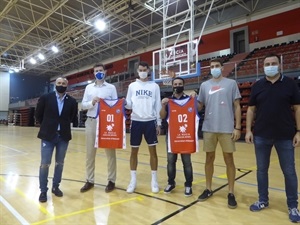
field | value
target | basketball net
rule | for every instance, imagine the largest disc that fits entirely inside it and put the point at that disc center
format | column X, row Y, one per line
column 167, row 76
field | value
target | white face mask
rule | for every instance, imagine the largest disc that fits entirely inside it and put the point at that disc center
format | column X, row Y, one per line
column 271, row 71
column 143, row 75
column 215, row 72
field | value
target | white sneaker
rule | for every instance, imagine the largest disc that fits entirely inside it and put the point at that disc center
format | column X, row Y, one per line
column 131, row 187
column 154, row 187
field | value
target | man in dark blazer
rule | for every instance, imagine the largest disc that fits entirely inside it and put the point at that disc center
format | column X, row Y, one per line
column 55, row 112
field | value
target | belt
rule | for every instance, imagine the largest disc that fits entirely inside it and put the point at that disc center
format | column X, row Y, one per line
column 90, row 117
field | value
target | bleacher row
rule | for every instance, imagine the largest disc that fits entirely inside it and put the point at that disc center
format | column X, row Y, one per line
column 250, row 66
column 290, row 53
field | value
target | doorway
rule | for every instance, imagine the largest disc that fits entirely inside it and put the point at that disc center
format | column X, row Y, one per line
column 239, row 40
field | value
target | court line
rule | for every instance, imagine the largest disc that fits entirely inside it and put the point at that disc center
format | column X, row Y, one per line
column 87, row 210
column 14, row 212
column 22, row 194
column 194, row 202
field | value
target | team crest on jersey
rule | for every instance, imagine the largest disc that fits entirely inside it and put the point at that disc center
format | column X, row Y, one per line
column 118, row 111
column 190, row 109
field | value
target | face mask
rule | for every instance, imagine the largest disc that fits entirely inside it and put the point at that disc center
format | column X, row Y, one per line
column 215, row 72
column 178, row 90
column 100, row 75
column 60, row 89
column 143, row 75
column 271, row 71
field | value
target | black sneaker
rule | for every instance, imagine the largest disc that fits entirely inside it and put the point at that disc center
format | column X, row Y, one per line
column 231, row 201
column 205, row 195
column 169, row 188
column 43, row 197
column 188, row 191
column 57, row 192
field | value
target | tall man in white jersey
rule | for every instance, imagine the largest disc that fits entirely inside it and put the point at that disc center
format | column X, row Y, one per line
column 222, row 123
column 143, row 97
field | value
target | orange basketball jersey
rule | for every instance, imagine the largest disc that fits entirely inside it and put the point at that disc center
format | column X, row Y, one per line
column 183, row 119
column 111, row 131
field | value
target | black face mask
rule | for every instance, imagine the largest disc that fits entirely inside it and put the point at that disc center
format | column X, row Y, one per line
column 178, row 90
column 60, row 89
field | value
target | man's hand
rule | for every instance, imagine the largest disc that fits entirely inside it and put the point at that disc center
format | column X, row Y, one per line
column 164, row 101
column 95, row 100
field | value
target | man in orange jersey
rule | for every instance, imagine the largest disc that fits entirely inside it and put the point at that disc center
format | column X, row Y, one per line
column 178, row 94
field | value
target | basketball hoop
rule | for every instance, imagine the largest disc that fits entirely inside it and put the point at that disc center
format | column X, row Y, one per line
column 167, row 76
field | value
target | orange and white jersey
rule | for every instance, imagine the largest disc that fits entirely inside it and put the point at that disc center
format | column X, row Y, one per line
column 183, row 120
column 111, row 130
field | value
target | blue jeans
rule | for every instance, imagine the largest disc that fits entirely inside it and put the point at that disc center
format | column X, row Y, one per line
column 286, row 154
column 47, row 148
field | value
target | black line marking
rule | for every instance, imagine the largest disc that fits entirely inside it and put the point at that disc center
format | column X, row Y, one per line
column 104, row 185
column 194, row 202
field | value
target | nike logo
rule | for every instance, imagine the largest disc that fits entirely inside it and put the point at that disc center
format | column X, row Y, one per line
column 214, row 91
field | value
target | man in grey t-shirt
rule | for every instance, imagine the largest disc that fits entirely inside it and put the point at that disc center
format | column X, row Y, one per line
column 221, row 98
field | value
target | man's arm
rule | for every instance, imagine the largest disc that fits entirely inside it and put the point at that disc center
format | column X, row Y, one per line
column 86, row 103
column 128, row 99
column 296, row 140
column 39, row 111
column 249, row 120
column 163, row 112
column 237, row 114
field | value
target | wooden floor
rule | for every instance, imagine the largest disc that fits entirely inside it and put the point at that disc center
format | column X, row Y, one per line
column 19, row 188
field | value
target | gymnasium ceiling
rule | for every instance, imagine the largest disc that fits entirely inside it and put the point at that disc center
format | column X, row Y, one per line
column 29, row 27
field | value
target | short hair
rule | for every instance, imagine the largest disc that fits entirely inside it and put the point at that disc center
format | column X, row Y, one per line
column 177, row 78
column 216, row 60
column 63, row 78
column 144, row 64
column 98, row 65
column 269, row 55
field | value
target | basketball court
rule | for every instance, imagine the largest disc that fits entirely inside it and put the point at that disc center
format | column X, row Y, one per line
column 19, row 187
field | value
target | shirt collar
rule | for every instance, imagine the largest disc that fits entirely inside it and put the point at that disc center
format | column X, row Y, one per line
column 99, row 85
column 58, row 96
column 280, row 79
column 181, row 97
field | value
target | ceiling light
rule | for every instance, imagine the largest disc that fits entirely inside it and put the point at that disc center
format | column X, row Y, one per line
column 10, row 71
column 54, row 49
column 41, row 56
column 32, row 61
column 100, row 25
column 17, row 70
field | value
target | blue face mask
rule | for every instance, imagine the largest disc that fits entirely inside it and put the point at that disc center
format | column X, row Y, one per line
column 271, row 71
column 100, row 75
column 215, row 72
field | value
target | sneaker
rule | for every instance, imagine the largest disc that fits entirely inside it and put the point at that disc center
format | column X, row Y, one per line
column 57, row 192
column 131, row 187
column 257, row 206
column 231, row 201
column 294, row 215
column 154, row 187
column 188, row 191
column 169, row 188
column 205, row 195
column 43, row 197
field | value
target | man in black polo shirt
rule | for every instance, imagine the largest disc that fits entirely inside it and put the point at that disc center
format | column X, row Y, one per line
column 178, row 87
column 272, row 100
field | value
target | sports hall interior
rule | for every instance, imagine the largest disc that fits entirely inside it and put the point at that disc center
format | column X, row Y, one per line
column 239, row 32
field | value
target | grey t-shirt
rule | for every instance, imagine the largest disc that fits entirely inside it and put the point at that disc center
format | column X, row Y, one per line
column 218, row 98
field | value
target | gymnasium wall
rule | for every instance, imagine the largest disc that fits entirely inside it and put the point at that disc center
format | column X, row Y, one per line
column 283, row 24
